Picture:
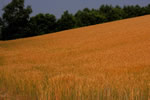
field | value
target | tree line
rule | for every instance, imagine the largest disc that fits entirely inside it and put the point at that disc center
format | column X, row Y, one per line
column 17, row 23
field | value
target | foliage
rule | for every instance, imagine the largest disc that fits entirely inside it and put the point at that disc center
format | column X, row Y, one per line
column 67, row 21
column 15, row 19
column 16, row 22
column 1, row 21
column 41, row 24
column 1, row 24
column 147, row 9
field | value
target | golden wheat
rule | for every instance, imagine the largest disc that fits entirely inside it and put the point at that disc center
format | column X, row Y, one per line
column 102, row 62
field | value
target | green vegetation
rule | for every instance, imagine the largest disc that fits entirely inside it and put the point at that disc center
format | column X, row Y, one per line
column 41, row 24
column 67, row 21
column 16, row 22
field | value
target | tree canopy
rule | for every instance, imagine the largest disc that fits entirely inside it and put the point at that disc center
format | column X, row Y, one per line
column 15, row 20
column 67, row 21
column 41, row 24
column 17, row 23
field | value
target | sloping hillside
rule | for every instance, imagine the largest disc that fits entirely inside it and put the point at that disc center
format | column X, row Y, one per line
column 110, row 61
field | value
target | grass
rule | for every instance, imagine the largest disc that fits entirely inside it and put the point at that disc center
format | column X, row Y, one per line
column 1, row 61
column 130, row 85
column 102, row 62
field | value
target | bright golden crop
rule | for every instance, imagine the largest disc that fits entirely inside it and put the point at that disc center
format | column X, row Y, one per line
column 109, row 61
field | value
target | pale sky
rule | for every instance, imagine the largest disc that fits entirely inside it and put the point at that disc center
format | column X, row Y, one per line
column 57, row 7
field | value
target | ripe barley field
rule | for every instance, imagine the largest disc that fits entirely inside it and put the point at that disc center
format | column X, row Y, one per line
column 108, row 61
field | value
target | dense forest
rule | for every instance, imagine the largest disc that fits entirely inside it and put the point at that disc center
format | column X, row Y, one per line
column 17, row 23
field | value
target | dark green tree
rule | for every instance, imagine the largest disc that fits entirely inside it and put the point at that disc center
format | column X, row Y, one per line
column 83, row 17
column 15, row 19
column 1, row 24
column 16, row 23
column 67, row 21
column 96, row 17
column 107, row 11
column 117, row 13
column 139, row 11
column 89, row 17
column 42, row 24
column 133, row 11
column 1, row 21
column 78, row 17
column 147, row 9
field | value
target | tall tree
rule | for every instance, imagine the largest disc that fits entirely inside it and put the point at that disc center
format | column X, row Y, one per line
column 67, row 21
column 116, row 14
column 15, row 19
column 147, row 9
column 132, row 11
column 83, row 17
column 107, row 11
column 1, row 24
column 42, row 24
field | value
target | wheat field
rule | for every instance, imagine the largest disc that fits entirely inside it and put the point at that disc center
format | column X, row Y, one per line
column 109, row 61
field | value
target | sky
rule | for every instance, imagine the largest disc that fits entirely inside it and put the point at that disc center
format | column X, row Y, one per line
column 57, row 7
